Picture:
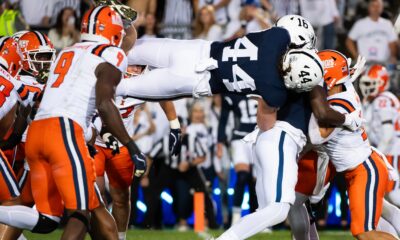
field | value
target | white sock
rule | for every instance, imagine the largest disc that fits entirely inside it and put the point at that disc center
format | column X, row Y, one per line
column 299, row 222
column 391, row 214
column 386, row 227
column 254, row 223
column 19, row 216
column 121, row 235
column 236, row 214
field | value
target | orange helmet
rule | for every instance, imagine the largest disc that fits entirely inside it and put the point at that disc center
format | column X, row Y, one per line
column 335, row 66
column 102, row 24
column 374, row 81
column 38, row 52
column 10, row 56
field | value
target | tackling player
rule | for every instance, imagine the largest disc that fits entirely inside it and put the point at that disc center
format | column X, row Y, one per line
column 365, row 170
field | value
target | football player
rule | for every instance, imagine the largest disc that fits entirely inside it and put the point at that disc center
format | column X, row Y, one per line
column 382, row 112
column 365, row 170
column 245, row 115
column 113, row 158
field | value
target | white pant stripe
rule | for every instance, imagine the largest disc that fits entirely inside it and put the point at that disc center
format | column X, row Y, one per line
column 79, row 167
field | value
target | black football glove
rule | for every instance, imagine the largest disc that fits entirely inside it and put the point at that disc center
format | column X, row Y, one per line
column 92, row 150
column 175, row 141
column 138, row 158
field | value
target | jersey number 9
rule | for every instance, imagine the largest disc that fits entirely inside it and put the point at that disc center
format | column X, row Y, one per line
column 62, row 67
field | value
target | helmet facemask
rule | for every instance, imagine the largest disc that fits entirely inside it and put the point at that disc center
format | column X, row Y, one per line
column 369, row 87
column 39, row 62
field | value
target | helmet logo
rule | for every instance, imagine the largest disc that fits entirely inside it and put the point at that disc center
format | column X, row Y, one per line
column 328, row 63
column 116, row 19
column 23, row 43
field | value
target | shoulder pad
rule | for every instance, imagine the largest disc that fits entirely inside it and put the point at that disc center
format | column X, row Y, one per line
column 113, row 55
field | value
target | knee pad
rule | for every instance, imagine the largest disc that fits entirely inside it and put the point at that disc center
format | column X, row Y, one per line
column 45, row 224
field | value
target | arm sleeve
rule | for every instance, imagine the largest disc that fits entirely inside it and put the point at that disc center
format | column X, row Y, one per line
column 223, row 119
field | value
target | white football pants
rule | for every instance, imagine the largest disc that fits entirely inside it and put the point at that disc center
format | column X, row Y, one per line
column 180, row 66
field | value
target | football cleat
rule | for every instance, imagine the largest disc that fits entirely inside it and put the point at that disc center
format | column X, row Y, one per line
column 126, row 12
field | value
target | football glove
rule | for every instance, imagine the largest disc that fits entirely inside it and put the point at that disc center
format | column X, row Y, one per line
column 353, row 121
column 138, row 158
column 111, row 142
column 175, row 138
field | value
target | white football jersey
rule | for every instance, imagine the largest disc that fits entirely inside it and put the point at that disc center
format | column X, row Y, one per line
column 347, row 149
column 70, row 90
column 127, row 108
column 34, row 88
column 11, row 92
column 382, row 109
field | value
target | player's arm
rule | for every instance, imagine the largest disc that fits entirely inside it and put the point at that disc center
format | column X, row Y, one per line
column 266, row 115
column 129, row 39
column 108, row 78
column 321, row 109
column 175, row 134
column 20, row 126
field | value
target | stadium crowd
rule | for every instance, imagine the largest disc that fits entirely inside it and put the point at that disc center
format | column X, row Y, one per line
column 208, row 148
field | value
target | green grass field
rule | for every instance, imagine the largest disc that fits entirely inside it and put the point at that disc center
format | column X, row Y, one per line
column 174, row 235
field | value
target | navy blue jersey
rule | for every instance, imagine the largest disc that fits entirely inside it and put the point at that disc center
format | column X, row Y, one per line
column 250, row 65
column 245, row 115
column 296, row 111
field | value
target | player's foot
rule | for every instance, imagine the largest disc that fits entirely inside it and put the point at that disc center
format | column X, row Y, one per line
column 123, row 10
column 183, row 228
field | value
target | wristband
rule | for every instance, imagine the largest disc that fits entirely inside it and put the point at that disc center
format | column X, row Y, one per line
column 132, row 147
column 174, row 124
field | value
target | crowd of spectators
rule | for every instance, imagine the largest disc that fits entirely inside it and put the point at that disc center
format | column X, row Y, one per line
column 351, row 26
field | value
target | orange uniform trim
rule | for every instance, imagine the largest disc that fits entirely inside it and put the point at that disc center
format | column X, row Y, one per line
column 346, row 105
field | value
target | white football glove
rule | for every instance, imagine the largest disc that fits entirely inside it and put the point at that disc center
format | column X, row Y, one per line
column 358, row 68
column 353, row 121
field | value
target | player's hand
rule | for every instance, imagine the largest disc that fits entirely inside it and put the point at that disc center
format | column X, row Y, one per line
column 358, row 68
column 140, row 164
column 92, row 150
column 353, row 121
column 175, row 141
column 111, row 142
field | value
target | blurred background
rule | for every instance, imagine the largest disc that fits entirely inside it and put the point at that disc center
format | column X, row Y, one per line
column 163, row 199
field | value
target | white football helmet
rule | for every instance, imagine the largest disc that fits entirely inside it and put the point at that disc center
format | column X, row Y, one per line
column 302, row 70
column 301, row 32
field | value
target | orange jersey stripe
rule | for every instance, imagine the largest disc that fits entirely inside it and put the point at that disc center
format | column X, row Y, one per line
column 100, row 49
column 348, row 106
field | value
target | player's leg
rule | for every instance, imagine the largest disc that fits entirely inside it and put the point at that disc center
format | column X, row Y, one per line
column 49, row 208
column 276, row 171
column 26, row 199
column 242, row 168
column 8, row 182
column 385, row 226
column 73, row 171
column 176, row 75
column 119, row 170
column 99, row 165
column 391, row 214
column 161, row 53
column 299, row 219
column 368, row 180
